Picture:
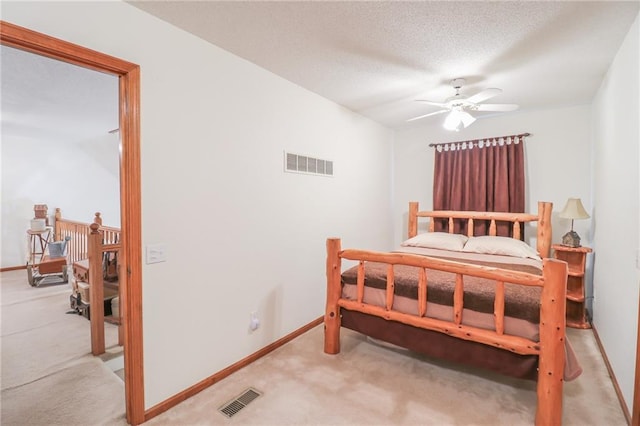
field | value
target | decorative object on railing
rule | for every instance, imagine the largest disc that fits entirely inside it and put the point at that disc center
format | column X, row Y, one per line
column 40, row 213
column 479, row 143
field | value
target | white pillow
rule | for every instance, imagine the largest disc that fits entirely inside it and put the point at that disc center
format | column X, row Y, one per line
column 437, row 240
column 500, row 245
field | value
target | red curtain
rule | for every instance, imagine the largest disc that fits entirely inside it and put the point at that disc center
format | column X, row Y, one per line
column 480, row 175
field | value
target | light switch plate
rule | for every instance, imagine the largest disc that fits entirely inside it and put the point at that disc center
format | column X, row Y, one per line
column 156, row 253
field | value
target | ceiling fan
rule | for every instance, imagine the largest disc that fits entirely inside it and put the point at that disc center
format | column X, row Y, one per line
column 459, row 106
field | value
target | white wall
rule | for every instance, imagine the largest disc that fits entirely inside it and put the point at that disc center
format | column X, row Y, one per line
column 557, row 154
column 616, row 136
column 241, row 235
column 81, row 178
column 589, row 152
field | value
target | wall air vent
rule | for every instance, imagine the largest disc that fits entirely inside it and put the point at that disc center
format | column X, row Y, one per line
column 297, row 163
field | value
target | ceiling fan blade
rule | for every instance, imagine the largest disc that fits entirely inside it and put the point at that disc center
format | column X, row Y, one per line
column 428, row 115
column 484, row 95
column 497, row 107
column 440, row 104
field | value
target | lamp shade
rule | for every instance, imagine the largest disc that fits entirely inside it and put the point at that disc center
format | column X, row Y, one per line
column 574, row 210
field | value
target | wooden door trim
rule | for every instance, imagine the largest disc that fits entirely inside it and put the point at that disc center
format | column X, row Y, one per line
column 130, row 208
column 635, row 411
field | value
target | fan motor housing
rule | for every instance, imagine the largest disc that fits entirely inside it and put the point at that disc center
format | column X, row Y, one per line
column 457, row 83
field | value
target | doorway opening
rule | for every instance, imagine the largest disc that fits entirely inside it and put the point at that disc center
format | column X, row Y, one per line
column 130, row 209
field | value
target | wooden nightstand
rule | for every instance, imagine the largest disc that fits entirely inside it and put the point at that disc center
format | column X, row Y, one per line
column 576, row 258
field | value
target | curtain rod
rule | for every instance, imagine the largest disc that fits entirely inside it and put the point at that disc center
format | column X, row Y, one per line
column 482, row 139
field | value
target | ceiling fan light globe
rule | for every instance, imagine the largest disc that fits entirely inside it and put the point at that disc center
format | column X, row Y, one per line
column 466, row 118
column 458, row 106
column 452, row 121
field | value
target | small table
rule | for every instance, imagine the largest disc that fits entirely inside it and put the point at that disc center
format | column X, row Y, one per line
column 38, row 239
column 576, row 258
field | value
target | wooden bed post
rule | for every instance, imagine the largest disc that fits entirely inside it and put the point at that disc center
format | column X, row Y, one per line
column 543, row 243
column 413, row 219
column 334, row 291
column 552, row 343
column 96, row 290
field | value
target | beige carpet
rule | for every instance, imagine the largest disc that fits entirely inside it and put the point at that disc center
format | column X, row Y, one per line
column 84, row 392
column 49, row 378
column 48, row 375
column 367, row 384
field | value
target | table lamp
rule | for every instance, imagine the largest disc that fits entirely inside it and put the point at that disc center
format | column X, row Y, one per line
column 573, row 210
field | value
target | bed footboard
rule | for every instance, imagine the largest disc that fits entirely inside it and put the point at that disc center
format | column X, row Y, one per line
column 334, row 292
column 550, row 349
column 552, row 343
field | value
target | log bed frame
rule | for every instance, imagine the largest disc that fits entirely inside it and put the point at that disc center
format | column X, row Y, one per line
column 551, row 347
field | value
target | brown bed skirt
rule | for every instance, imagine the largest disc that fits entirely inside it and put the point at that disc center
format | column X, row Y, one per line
column 439, row 345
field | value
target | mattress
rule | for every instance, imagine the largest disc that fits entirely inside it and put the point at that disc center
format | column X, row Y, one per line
column 522, row 303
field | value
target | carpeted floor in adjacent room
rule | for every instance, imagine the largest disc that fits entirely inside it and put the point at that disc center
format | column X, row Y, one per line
column 49, row 376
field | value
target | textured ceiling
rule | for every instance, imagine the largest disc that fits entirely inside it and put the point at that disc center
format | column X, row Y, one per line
column 47, row 100
column 376, row 58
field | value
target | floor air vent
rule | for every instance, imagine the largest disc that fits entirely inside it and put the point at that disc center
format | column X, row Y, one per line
column 233, row 407
column 308, row 165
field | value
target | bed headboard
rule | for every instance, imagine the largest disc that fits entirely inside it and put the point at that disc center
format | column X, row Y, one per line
column 543, row 218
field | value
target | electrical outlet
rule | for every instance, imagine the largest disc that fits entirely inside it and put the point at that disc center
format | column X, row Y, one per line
column 254, row 322
column 156, row 253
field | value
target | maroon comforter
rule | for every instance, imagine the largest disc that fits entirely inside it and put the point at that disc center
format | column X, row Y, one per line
column 520, row 301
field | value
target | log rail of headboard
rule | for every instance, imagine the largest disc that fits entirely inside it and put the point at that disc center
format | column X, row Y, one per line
column 543, row 241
